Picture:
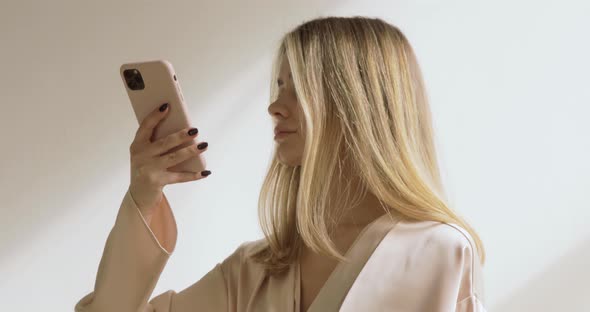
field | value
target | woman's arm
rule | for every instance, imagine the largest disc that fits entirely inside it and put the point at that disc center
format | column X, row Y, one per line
column 134, row 256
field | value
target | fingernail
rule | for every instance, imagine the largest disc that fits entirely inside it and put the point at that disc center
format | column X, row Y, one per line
column 202, row 145
column 163, row 107
column 193, row 131
column 205, row 173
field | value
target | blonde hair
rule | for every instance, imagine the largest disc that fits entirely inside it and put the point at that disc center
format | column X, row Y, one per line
column 362, row 94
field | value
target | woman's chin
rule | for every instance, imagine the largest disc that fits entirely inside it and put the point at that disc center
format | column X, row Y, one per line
column 288, row 159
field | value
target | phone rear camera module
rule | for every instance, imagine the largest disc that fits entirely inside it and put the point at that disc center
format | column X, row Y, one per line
column 133, row 79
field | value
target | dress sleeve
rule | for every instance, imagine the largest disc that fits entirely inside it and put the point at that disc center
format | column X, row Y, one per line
column 470, row 275
column 470, row 304
column 133, row 259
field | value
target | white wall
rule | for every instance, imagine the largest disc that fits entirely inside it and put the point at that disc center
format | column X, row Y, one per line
column 508, row 82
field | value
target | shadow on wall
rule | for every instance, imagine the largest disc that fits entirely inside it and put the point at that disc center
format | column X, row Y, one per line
column 208, row 42
column 564, row 286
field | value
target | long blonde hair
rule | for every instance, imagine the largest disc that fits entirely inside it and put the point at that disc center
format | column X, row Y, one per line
column 364, row 103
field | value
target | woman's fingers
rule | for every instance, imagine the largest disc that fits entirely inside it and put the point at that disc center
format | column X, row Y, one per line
column 179, row 177
column 146, row 127
column 163, row 145
column 176, row 157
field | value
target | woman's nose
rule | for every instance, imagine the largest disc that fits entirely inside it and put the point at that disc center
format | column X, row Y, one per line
column 275, row 108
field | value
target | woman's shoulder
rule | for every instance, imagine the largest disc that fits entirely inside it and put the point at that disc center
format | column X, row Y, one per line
column 239, row 261
column 446, row 247
column 241, row 254
column 436, row 234
column 250, row 247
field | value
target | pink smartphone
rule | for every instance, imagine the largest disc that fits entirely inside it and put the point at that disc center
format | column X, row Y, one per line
column 150, row 84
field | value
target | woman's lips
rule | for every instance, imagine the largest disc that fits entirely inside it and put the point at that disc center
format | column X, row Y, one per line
column 282, row 134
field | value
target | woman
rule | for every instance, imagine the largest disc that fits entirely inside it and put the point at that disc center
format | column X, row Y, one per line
column 352, row 208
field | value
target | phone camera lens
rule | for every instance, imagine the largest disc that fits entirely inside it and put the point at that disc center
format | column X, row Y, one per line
column 134, row 79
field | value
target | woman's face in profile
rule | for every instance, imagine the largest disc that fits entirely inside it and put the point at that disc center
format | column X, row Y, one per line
column 286, row 113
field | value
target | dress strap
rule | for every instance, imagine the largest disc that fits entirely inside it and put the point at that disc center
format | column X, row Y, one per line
column 336, row 287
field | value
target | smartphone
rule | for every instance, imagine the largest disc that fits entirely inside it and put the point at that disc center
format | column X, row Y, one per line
column 150, row 84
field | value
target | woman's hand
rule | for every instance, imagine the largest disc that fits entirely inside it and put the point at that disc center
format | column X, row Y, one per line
column 149, row 172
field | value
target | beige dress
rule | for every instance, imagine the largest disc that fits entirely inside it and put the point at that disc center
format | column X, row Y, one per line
column 395, row 266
